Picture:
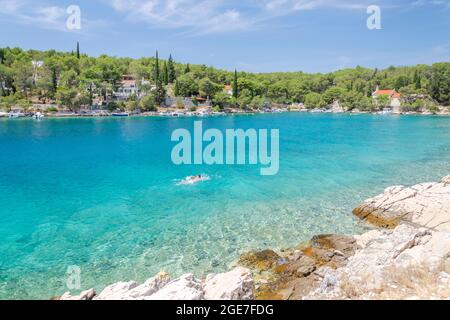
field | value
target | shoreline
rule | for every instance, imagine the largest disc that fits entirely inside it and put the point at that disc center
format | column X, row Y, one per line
column 405, row 256
column 180, row 115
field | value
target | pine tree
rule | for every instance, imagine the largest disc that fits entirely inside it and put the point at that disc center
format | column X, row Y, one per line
column 235, row 85
column 172, row 76
column 188, row 68
column 78, row 50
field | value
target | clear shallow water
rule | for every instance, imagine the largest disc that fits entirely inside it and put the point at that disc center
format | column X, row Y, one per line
column 102, row 193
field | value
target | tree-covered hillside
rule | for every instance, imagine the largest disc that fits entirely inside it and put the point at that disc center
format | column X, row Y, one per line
column 74, row 79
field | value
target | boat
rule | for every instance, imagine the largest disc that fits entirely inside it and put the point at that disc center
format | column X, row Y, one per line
column 3, row 114
column 38, row 115
column 120, row 114
column 16, row 114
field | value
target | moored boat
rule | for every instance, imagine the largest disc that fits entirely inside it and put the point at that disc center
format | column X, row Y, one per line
column 120, row 114
column 16, row 114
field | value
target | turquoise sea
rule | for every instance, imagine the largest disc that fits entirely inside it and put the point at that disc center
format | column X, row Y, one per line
column 102, row 194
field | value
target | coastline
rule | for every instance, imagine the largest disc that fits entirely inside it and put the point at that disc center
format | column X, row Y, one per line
column 405, row 256
column 218, row 114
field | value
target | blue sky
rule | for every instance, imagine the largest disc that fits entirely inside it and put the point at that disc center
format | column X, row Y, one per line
column 250, row 35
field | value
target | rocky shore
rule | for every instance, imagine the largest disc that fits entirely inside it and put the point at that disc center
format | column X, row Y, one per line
column 406, row 256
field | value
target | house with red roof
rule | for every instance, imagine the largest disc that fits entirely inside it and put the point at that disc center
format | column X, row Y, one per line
column 394, row 98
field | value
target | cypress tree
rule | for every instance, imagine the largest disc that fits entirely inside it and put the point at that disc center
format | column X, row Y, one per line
column 172, row 76
column 157, row 73
column 2, row 55
column 417, row 80
column 78, row 50
column 54, row 80
column 188, row 68
column 165, row 74
column 159, row 92
column 176, row 90
column 235, row 85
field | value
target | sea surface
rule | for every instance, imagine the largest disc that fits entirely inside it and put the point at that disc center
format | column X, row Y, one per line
column 103, row 194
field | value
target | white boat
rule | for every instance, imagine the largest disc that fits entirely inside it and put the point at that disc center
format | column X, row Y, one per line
column 16, row 114
column 38, row 115
column 4, row 114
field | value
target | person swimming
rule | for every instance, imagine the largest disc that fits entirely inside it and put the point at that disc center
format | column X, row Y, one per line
column 194, row 179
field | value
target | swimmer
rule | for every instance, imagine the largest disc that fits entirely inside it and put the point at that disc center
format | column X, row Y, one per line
column 194, row 179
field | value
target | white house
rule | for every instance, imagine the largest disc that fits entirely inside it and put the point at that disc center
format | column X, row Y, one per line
column 228, row 89
column 394, row 98
column 128, row 87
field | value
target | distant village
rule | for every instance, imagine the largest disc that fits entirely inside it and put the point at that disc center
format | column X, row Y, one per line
column 129, row 87
column 75, row 85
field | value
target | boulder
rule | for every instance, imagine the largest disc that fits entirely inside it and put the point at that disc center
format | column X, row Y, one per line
column 117, row 291
column 234, row 285
column 187, row 287
column 392, row 264
column 336, row 107
column 260, row 260
column 301, row 267
column 424, row 205
column 85, row 295
column 446, row 180
column 293, row 275
column 149, row 287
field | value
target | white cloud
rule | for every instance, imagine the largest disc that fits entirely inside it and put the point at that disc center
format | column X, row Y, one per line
column 212, row 16
column 419, row 3
column 27, row 12
column 198, row 16
column 286, row 6
column 46, row 17
column 10, row 6
column 42, row 16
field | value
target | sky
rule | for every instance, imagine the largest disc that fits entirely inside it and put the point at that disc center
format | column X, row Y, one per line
column 249, row 35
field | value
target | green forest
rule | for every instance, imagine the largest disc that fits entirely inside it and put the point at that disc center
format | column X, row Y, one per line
column 73, row 80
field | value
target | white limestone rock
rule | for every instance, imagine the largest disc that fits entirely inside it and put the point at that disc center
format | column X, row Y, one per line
column 425, row 205
column 85, row 295
column 234, row 285
column 406, row 262
column 149, row 287
column 446, row 179
column 187, row 287
column 117, row 291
